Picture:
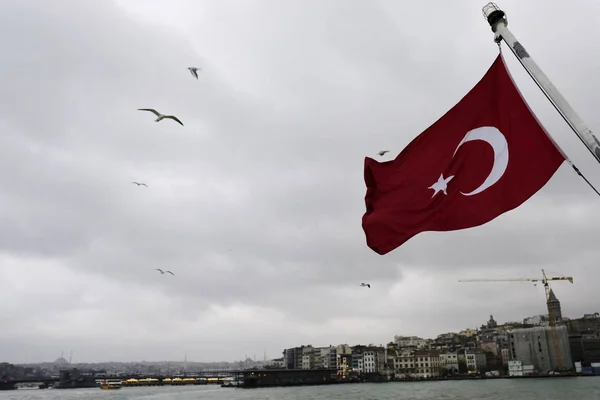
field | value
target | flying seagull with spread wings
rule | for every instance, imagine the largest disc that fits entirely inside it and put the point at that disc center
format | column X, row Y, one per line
column 194, row 71
column 140, row 184
column 382, row 152
column 160, row 116
column 163, row 272
column 366, row 284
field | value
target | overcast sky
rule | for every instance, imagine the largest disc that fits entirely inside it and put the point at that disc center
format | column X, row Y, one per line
column 256, row 203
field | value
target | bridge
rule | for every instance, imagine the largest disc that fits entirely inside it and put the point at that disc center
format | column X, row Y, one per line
column 9, row 384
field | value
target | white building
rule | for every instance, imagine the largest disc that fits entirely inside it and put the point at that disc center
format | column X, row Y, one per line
column 361, row 364
column 427, row 364
column 369, row 361
column 405, row 364
column 449, row 362
column 321, row 357
column 515, row 368
column 410, row 341
column 306, row 358
column 276, row 363
column 537, row 320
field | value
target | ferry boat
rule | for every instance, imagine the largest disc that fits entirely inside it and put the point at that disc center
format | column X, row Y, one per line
column 105, row 385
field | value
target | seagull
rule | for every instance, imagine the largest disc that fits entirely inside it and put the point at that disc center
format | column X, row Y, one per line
column 382, row 152
column 366, row 284
column 194, row 71
column 163, row 272
column 140, row 184
column 160, row 116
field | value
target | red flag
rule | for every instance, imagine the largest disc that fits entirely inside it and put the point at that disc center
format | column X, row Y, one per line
column 484, row 157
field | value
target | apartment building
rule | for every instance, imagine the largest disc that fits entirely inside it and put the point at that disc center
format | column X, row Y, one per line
column 427, row 364
column 449, row 362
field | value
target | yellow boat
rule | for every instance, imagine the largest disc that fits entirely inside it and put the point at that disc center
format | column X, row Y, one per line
column 110, row 385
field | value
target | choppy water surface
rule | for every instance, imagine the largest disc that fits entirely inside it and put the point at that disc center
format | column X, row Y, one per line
column 529, row 389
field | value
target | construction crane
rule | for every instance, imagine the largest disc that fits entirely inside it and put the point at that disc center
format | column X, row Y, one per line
column 552, row 320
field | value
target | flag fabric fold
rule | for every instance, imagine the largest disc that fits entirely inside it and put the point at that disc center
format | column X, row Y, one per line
column 484, row 157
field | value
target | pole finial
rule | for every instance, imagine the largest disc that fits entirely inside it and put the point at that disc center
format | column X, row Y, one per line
column 493, row 14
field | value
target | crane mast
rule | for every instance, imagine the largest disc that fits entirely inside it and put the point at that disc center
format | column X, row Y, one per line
column 552, row 321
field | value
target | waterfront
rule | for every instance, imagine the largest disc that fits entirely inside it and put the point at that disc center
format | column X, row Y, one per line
column 503, row 389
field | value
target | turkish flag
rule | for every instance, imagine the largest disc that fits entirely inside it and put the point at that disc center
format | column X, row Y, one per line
column 484, row 157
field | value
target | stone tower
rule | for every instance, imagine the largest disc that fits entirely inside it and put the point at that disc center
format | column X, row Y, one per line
column 554, row 311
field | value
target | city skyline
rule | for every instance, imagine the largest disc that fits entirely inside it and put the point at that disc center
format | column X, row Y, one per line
column 256, row 203
column 67, row 357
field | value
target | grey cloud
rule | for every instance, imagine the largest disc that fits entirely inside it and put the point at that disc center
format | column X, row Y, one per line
column 256, row 203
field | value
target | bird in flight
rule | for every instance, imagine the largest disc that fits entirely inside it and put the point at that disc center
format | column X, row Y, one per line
column 194, row 71
column 163, row 272
column 382, row 152
column 160, row 116
column 140, row 184
column 366, row 284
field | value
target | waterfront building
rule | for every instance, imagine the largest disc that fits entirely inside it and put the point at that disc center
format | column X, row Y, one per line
column 405, row 364
column 515, row 368
column 370, row 361
column 321, row 357
column 427, row 364
column 306, row 361
column 449, row 362
column 505, row 355
column 276, row 363
column 537, row 346
column 585, row 349
column 475, row 360
column 292, row 358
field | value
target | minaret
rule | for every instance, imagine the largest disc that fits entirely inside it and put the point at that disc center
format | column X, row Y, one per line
column 554, row 310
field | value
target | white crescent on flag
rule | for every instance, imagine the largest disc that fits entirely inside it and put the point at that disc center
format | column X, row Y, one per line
column 492, row 136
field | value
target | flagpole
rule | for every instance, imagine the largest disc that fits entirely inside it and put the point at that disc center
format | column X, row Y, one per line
column 498, row 22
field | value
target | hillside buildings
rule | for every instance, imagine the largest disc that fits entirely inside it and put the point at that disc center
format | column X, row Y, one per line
column 529, row 347
column 532, row 347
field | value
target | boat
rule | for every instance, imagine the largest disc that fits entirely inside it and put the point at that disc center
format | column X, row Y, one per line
column 105, row 385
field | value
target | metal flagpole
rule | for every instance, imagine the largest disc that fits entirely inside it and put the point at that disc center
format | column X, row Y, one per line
column 498, row 21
